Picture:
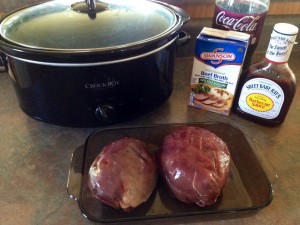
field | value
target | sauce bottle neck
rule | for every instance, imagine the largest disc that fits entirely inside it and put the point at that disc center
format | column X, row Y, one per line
column 280, row 45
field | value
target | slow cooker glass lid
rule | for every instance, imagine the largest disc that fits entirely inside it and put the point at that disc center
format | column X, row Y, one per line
column 62, row 25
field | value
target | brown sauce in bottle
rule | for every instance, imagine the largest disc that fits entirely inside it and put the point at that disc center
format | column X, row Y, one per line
column 267, row 88
column 280, row 74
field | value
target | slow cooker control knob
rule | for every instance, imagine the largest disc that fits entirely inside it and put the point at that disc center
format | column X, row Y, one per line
column 105, row 113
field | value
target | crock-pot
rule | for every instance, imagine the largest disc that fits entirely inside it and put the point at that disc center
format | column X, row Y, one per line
column 91, row 63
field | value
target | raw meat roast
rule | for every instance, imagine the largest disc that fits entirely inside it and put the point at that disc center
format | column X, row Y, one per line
column 194, row 163
column 124, row 174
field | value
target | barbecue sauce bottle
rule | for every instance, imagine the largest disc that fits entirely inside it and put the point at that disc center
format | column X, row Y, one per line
column 267, row 88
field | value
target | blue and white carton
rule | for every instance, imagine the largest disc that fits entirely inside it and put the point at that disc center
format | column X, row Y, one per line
column 217, row 66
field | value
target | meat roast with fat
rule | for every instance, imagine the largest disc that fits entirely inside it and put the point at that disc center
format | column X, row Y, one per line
column 194, row 163
column 124, row 174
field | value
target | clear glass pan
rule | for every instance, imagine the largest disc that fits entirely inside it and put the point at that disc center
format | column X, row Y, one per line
column 248, row 187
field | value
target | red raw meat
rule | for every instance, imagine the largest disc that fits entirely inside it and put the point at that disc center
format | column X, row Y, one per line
column 124, row 174
column 194, row 163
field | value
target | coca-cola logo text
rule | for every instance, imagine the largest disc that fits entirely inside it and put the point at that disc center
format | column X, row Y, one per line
column 244, row 24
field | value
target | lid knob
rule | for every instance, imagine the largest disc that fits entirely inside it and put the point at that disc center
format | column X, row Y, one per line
column 91, row 7
column 91, row 4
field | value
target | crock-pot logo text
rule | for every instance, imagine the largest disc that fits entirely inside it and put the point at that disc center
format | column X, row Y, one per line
column 102, row 85
column 243, row 24
column 217, row 56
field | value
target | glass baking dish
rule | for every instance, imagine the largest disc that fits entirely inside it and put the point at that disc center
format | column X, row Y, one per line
column 248, row 187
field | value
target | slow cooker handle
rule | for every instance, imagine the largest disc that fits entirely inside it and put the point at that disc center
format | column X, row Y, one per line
column 183, row 38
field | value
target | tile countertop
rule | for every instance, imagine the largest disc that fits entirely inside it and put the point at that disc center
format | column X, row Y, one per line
column 35, row 158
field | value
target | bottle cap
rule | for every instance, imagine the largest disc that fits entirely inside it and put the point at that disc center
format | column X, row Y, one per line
column 286, row 28
column 281, row 43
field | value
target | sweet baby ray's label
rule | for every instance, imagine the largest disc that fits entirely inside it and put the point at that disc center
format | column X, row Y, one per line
column 218, row 61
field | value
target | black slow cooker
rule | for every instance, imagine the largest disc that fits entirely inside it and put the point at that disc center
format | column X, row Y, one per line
column 91, row 63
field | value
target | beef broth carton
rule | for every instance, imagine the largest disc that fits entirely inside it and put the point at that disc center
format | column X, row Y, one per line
column 218, row 62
